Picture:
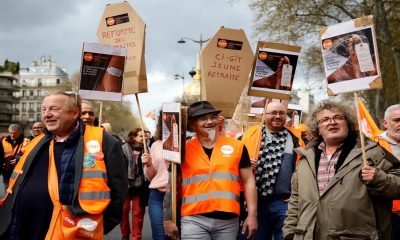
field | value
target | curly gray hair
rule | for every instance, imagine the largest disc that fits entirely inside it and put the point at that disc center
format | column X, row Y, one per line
column 347, row 112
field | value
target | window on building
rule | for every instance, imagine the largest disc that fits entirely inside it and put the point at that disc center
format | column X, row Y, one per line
column 39, row 82
column 39, row 117
column 23, row 107
column 31, row 106
column 23, row 93
column 39, row 93
column 58, row 81
column 30, row 116
column 31, row 93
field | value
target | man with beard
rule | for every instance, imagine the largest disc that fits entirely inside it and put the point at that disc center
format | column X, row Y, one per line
column 273, row 159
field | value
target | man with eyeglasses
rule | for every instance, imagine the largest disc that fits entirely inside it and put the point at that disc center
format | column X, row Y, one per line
column 273, row 160
column 87, row 114
column 334, row 195
column 390, row 140
column 71, row 181
column 211, row 170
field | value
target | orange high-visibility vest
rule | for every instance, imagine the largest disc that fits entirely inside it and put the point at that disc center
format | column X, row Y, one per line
column 383, row 143
column 211, row 184
column 94, row 194
column 252, row 139
column 9, row 150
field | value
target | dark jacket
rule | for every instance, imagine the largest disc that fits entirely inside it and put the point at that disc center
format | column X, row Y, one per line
column 116, row 175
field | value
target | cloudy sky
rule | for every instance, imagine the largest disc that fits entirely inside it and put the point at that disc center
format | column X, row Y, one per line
column 30, row 29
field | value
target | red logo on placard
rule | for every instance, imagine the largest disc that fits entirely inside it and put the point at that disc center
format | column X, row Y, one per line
column 327, row 44
column 88, row 57
column 110, row 21
column 262, row 55
column 222, row 43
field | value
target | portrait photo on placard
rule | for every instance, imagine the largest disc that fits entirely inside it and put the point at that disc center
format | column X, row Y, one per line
column 274, row 69
column 349, row 56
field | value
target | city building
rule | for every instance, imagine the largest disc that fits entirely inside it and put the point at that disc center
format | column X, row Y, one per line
column 8, row 84
column 42, row 76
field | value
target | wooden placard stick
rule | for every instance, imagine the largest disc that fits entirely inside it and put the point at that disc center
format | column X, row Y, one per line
column 141, row 123
column 364, row 157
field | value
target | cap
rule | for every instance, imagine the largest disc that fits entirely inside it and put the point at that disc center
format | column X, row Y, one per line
column 201, row 108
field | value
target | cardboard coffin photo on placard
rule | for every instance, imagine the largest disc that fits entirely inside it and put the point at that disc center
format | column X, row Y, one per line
column 171, row 131
column 273, row 70
column 294, row 114
column 350, row 56
column 121, row 26
column 102, row 71
column 226, row 63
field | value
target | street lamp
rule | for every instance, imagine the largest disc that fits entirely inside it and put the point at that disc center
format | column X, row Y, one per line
column 200, row 41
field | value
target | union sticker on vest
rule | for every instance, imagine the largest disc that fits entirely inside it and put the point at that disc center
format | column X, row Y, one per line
column 93, row 146
column 227, row 149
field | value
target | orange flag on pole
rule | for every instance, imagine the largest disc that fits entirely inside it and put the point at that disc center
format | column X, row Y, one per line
column 368, row 125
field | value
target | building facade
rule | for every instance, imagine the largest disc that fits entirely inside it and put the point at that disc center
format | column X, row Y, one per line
column 42, row 76
column 8, row 84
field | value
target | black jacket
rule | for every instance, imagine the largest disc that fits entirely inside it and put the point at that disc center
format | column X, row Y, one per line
column 116, row 175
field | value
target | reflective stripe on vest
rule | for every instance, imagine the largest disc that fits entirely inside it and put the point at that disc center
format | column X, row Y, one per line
column 211, row 184
column 205, row 177
column 9, row 150
column 207, row 196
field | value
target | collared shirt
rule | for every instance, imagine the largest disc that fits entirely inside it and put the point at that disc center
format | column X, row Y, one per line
column 394, row 146
column 326, row 167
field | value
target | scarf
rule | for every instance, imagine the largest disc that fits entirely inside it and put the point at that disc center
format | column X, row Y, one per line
column 270, row 160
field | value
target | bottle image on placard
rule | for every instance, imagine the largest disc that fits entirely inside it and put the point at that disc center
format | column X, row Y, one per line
column 175, row 134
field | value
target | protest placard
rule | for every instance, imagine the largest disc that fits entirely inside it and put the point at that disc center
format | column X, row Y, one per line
column 350, row 54
column 226, row 63
column 273, row 70
column 121, row 26
column 102, row 72
column 171, row 131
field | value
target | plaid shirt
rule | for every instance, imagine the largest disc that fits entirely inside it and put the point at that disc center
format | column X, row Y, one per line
column 326, row 167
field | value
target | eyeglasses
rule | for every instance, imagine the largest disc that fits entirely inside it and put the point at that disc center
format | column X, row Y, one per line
column 277, row 113
column 327, row 120
column 90, row 113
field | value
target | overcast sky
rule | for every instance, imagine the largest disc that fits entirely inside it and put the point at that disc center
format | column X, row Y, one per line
column 30, row 29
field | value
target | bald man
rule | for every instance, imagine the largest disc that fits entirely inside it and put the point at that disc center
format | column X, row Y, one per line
column 87, row 114
column 273, row 160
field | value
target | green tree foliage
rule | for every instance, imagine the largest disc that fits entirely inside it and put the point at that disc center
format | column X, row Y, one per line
column 118, row 114
column 298, row 22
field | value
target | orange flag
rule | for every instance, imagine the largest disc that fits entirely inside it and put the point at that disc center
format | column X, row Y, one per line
column 368, row 125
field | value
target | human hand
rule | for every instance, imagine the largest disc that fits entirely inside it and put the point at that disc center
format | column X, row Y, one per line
column 171, row 230
column 367, row 174
column 254, row 163
column 251, row 225
column 221, row 121
column 146, row 159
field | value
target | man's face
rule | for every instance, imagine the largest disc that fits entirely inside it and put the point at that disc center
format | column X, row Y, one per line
column 37, row 129
column 205, row 125
column 14, row 134
column 58, row 116
column 87, row 114
column 275, row 116
column 392, row 125
column 332, row 126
